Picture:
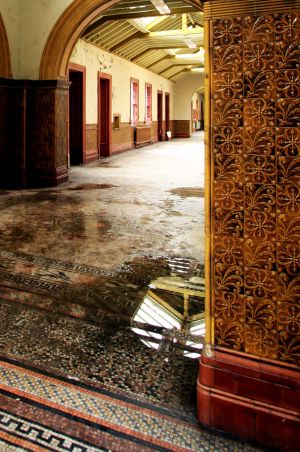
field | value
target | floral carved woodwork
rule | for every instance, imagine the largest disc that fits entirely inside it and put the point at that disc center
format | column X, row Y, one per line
column 256, row 190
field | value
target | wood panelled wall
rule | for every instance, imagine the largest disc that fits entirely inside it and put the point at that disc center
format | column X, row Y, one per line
column 123, row 138
column 255, row 167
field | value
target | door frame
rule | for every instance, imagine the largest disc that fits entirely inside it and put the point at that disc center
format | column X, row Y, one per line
column 108, row 106
column 82, row 69
column 160, row 92
column 167, row 113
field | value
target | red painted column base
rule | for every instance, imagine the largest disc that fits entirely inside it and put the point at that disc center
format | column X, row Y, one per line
column 257, row 400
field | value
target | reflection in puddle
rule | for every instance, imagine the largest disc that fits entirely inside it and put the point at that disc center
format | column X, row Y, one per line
column 79, row 223
column 89, row 186
column 171, row 319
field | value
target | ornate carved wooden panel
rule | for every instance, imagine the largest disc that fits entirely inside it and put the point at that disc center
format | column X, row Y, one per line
column 256, row 188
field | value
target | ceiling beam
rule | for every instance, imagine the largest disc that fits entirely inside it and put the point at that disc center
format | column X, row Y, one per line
column 189, row 32
column 184, row 60
column 191, row 20
column 180, row 61
column 134, row 15
column 179, row 72
column 173, row 46
column 175, row 65
column 158, row 61
column 136, row 35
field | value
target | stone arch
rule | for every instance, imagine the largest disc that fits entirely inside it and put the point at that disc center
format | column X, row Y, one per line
column 66, row 32
column 5, row 67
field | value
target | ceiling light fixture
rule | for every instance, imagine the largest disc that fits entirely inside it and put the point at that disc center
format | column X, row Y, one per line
column 161, row 6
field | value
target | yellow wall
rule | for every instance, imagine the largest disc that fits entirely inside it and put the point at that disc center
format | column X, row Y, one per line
column 184, row 90
column 121, row 70
column 28, row 25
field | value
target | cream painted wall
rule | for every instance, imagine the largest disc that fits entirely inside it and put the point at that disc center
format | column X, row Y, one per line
column 28, row 25
column 184, row 89
column 121, row 70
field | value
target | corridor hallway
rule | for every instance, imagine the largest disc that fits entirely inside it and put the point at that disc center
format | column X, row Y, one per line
column 76, row 370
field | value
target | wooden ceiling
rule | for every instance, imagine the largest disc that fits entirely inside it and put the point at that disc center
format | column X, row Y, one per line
column 162, row 44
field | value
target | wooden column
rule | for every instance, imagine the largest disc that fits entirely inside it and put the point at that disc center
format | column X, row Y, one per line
column 33, row 133
column 47, row 133
column 253, row 221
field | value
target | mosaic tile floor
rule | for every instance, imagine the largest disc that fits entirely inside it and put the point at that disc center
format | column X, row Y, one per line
column 40, row 411
column 75, row 265
column 84, row 330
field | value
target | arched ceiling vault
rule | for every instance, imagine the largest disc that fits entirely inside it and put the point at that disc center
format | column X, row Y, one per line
column 167, row 44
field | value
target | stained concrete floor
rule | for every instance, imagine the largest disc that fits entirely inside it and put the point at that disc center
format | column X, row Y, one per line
column 145, row 202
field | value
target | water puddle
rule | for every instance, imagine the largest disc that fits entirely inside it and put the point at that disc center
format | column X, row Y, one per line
column 107, row 165
column 80, row 223
column 188, row 192
column 90, row 186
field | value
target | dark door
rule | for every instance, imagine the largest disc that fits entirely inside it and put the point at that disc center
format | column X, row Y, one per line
column 159, row 116
column 104, row 117
column 76, row 117
column 167, row 112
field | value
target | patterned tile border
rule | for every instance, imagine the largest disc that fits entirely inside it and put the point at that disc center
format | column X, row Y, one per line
column 36, row 433
column 143, row 427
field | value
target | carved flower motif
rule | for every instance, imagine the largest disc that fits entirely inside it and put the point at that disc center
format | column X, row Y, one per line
column 289, row 257
column 229, row 250
column 288, row 142
column 228, row 195
column 260, row 169
column 228, row 140
column 261, row 342
column 288, row 198
column 288, row 83
column 259, row 113
column 289, row 317
column 228, row 85
column 229, row 306
column 260, row 283
column 287, row 26
column 227, row 31
column 259, row 56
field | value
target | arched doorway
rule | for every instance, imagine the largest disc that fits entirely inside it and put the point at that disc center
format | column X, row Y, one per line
column 5, row 67
column 197, row 110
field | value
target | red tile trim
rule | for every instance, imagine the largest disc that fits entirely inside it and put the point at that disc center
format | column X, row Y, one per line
column 237, row 394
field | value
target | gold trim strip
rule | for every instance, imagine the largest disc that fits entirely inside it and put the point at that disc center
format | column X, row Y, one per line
column 209, row 321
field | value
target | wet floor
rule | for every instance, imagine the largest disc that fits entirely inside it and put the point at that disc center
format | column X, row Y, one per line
column 76, row 263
